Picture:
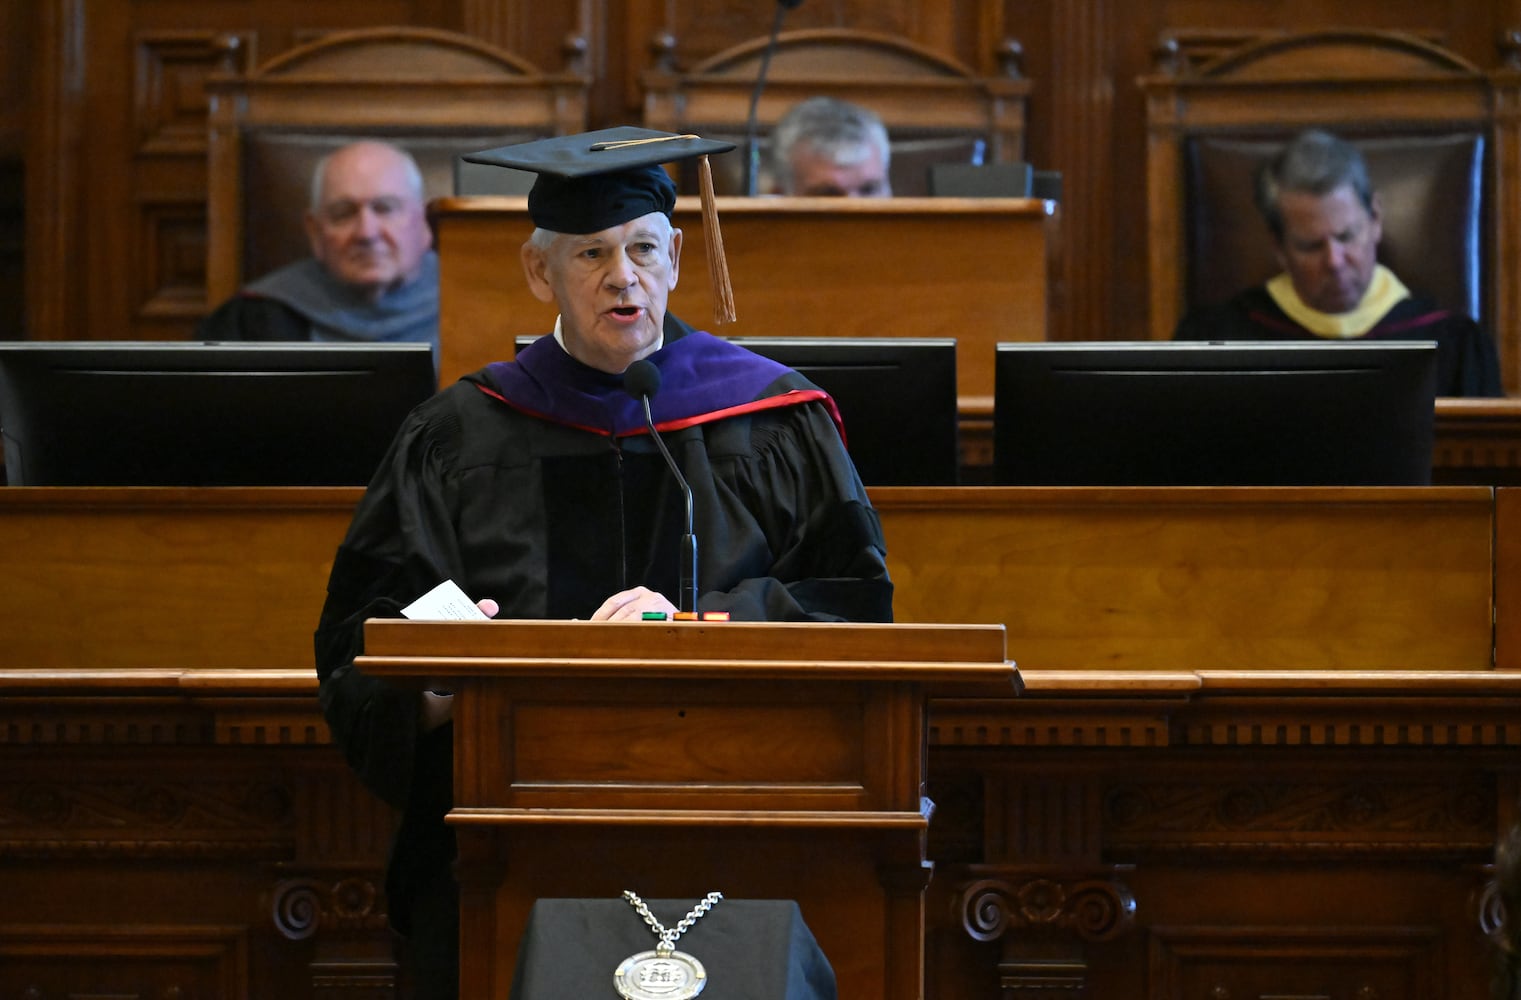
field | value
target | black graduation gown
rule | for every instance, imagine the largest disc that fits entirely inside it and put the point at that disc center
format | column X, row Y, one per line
column 1467, row 362
column 249, row 317
column 549, row 520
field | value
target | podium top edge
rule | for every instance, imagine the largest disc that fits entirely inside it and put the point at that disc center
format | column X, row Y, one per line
column 841, row 642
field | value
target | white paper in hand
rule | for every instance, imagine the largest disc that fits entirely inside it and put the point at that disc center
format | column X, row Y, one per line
column 444, row 603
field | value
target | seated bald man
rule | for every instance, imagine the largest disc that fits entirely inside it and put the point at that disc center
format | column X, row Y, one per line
column 372, row 275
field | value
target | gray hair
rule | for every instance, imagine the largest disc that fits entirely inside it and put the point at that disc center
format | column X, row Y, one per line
column 837, row 129
column 409, row 165
column 1315, row 162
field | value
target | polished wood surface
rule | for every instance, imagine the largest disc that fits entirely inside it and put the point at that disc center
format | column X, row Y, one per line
column 971, row 269
column 1184, row 577
column 1085, row 577
column 1272, row 694
column 181, row 579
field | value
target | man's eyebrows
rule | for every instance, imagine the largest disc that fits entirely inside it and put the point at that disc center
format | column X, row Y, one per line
column 351, row 204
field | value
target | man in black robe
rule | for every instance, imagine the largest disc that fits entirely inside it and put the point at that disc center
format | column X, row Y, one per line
column 1325, row 221
column 372, row 276
column 535, row 486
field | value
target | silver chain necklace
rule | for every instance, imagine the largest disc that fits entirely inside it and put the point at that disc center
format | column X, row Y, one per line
column 665, row 973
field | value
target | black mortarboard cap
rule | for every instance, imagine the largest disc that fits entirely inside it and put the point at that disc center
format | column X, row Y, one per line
column 595, row 180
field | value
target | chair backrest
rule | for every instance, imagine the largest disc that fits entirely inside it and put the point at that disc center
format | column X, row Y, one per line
column 935, row 109
column 1425, row 119
column 434, row 93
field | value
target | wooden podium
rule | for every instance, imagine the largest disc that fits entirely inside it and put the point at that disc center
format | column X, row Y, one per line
column 765, row 761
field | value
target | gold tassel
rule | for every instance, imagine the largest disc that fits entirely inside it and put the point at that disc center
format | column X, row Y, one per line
column 718, row 264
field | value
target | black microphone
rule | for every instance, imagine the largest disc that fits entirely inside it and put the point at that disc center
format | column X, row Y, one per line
column 752, row 143
column 642, row 381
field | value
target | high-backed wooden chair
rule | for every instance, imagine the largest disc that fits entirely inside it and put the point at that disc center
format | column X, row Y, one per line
column 935, row 109
column 435, row 93
column 1443, row 158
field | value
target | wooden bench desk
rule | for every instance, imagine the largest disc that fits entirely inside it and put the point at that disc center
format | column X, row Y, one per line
column 1303, row 700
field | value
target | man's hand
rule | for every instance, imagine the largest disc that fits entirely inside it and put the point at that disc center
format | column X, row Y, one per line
column 437, row 708
column 630, row 605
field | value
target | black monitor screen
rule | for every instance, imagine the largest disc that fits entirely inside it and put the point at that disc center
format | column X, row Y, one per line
column 139, row 413
column 1247, row 413
column 896, row 395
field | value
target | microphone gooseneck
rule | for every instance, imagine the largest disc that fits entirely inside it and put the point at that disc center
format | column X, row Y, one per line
column 752, row 142
column 642, row 381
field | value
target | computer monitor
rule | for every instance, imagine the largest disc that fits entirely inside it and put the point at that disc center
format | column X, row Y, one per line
column 1243, row 413
column 994, row 180
column 981, row 180
column 141, row 413
column 897, row 396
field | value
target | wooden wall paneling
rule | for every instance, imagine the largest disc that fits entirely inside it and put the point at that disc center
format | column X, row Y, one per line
column 115, row 107
column 16, row 23
column 108, row 155
column 676, row 38
column 1205, row 803
column 168, row 262
column 1152, row 580
column 566, row 34
column 239, row 864
column 1507, row 579
column 703, row 28
column 1505, row 202
column 55, row 238
column 1080, row 99
column 16, row 17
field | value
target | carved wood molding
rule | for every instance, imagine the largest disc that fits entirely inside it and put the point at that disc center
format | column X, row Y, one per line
column 1352, row 815
column 46, row 817
column 1094, row 906
column 1370, row 962
column 103, row 720
column 170, row 70
column 1187, row 52
column 1153, row 710
column 301, row 907
column 167, row 961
